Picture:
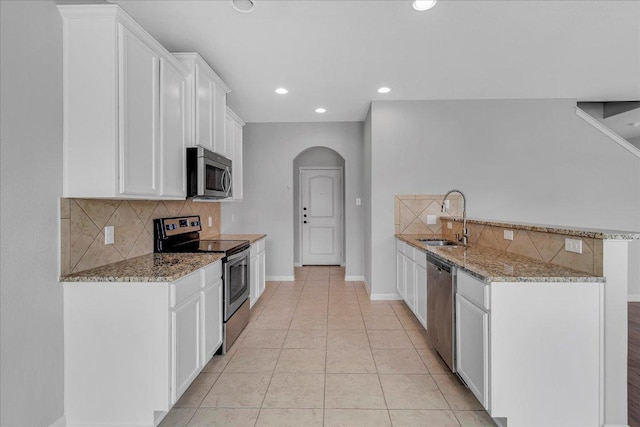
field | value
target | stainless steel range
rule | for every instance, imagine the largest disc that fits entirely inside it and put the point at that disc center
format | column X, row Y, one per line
column 181, row 234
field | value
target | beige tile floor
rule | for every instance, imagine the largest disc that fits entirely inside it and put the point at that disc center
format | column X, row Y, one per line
column 318, row 352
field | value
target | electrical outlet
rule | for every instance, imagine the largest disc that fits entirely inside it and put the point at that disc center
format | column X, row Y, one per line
column 358, row 201
column 508, row 268
column 109, row 235
column 573, row 245
column 432, row 219
column 210, row 222
column 508, row 234
column 449, row 225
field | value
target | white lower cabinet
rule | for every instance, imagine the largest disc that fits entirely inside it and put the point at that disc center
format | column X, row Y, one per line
column 257, row 275
column 150, row 340
column 411, row 279
column 420, row 306
column 212, row 320
column 472, row 347
column 185, row 345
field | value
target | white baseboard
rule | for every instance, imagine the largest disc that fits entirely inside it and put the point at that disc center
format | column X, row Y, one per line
column 385, row 297
column 633, row 298
column 615, row 425
column 60, row 422
column 279, row 278
column 354, row 278
column 297, row 264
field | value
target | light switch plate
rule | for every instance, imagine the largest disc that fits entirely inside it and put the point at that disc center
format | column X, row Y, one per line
column 573, row 245
column 358, row 201
column 210, row 222
column 508, row 234
column 109, row 235
column 449, row 225
column 432, row 219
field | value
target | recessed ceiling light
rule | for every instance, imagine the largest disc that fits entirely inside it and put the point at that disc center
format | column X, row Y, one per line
column 243, row 6
column 384, row 89
column 321, row 110
column 282, row 91
column 635, row 124
column 421, row 5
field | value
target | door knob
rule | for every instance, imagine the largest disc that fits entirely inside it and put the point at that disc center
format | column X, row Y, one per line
column 304, row 222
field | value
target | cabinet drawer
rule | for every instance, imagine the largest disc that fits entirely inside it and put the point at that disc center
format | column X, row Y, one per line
column 260, row 245
column 211, row 273
column 473, row 289
column 410, row 252
column 185, row 287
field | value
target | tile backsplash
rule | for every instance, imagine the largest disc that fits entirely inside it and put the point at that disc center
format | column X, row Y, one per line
column 83, row 221
column 412, row 212
column 547, row 247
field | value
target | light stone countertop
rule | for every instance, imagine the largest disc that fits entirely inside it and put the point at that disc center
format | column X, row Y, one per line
column 146, row 268
column 592, row 233
column 493, row 265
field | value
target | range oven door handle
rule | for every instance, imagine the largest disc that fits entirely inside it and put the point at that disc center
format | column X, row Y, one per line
column 238, row 255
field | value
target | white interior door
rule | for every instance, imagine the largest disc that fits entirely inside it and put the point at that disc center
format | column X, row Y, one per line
column 321, row 213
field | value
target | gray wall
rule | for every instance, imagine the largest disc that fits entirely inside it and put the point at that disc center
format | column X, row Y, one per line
column 518, row 160
column 311, row 157
column 31, row 389
column 269, row 151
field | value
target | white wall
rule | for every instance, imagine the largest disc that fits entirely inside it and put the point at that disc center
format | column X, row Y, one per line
column 311, row 157
column 518, row 160
column 31, row 389
column 269, row 151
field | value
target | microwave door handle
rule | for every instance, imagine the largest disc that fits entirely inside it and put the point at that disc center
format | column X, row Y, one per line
column 228, row 189
column 222, row 180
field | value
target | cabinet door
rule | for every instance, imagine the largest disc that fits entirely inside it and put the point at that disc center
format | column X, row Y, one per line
column 253, row 273
column 421, row 295
column 204, row 94
column 261, row 271
column 138, row 116
column 234, row 143
column 172, row 131
column 212, row 320
column 472, row 347
column 410, row 285
column 185, row 345
column 219, row 117
column 400, row 274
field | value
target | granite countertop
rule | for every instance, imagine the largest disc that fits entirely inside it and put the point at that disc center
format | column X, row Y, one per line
column 146, row 268
column 592, row 233
column 493, row 265
column 252, row 238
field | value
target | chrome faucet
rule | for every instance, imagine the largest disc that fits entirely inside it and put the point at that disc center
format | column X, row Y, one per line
column 465, row 232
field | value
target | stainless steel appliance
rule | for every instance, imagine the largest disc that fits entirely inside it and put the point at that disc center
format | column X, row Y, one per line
column 180, row 234
column 440, row 309
column 208, row 174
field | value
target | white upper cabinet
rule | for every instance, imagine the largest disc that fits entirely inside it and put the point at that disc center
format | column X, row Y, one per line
column 207, row 103
column 124, row 108
column 233, row 137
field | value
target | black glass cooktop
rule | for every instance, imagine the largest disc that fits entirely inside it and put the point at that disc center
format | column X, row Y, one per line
column 220, row 246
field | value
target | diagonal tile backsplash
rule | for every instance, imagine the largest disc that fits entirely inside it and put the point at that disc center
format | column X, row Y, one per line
column 411, row 212
column 83, row 222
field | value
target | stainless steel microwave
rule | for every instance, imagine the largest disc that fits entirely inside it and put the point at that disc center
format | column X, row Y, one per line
column 208, row 174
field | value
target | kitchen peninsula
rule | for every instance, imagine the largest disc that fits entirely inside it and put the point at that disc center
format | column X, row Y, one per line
column 530, row 328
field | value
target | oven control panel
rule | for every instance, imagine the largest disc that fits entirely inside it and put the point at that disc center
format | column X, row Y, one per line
column 181, row 225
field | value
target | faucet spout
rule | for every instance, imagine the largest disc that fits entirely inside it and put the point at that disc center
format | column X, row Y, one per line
column 465, row 232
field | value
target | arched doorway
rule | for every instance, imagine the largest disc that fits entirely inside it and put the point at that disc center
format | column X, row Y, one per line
column 318, row 178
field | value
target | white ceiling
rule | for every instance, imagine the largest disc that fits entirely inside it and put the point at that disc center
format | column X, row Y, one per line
column 336, row 54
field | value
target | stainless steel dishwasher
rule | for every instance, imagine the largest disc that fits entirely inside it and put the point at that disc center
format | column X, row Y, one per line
column 440, row 309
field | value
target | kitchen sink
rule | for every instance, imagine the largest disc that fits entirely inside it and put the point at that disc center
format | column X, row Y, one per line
column 438, row 242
